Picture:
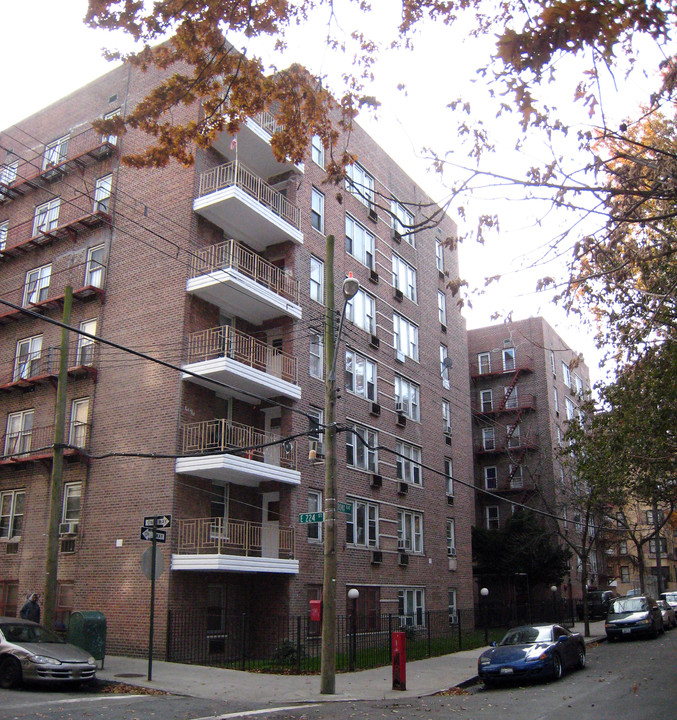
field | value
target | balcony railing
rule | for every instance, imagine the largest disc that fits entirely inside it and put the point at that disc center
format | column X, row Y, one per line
column 31, row 368
column 237, row 175
column 38, row 443
column 521, row 364
column 231, row 255
column 227, row 342
column 234, row 537
column 523, row 402
column 516, row 443
column 224, row 436
column 267, row 121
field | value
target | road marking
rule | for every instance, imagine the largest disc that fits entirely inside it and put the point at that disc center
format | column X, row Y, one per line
column 249, row 713
column 108, row 696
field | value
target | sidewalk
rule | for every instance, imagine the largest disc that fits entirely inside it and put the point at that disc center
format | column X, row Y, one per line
column 424, row 677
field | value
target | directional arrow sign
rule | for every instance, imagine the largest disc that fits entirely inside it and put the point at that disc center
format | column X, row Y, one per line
column 307, row 518
column 160, row 521
column 346, row 508
column 147, row 534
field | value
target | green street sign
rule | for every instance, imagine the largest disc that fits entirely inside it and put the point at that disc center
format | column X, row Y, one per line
column 346, row 508
column 307, row 518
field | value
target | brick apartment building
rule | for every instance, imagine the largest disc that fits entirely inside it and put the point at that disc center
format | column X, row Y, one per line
column 527, row 383
column 218, row 269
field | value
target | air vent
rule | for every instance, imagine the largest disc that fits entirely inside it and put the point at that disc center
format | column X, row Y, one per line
column 452, row 552
column 401, row 420
column 113, row 98
column 403, row 559
column 375, row 409
column 402, row 488
column 372, row 214
column 376, row 557
column 67, row 545
column 376, row 481
column 12, row 548
column 398, row 295
column 396, row 236
column 374, row 341
column 373, row 276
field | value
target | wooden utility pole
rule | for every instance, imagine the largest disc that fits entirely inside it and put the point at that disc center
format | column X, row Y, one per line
column 56, row 480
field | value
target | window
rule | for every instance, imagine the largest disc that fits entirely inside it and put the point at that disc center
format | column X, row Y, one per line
column 623, row 547
column 625, row 573
column 558, row 431
column 55, row 152
column 486, row 400
column 513, row 435
column 19, row 432
column 27, row 358
column 552, row 363
column 411, row 607
column 219, row 505
column 9, row 598
column 72, row 494
column 402, row 221
column 484, row 363
column 492, row 517
column 516, row 477
column 361, row 311
column 404, row 277
column 453, row 616
column 451, row 538
column 64, row 605
column 556, row 400
column 444, row 369
column 405, row 338
column 566, row 374
column 663, row 546
column 508, row 359
column 510, row 395
column 8, row 172
column 570, row 408
column 84, row 354
column 650, row 517
column 442, row 307
column 488, row 438
column 360, row 375
column 578, row 522
column 11, row 513
column 316, row 280
column 446, row 417
column 360, row 184
column 95, row 267
column 361, row 450
column 410, row 531
column 408, row 463
column 317, row 150
column 362, row 524
column 317, row 210
column 314, row 505
column 316, row 356
column 407, row 398
column 102, row 193
column 316, row 421
column 439, row 255
column 77, row 436
column 359, row 242
column 46, row 216
column 490, row 477
column 112, row 139
column 449, row 476
column 37, row 285
column 3, row 234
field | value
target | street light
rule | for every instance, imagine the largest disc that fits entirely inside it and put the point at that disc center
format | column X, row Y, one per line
column 353, row 594
column 484, row 592
column 553, row 589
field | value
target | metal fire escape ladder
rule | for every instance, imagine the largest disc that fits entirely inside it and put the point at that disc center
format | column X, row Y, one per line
column 509, row 390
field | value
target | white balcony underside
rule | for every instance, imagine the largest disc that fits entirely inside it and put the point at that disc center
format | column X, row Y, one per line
column 237, row 469
column 240, row 296
column 242, row 378
column 245, row 218
column 234, row 563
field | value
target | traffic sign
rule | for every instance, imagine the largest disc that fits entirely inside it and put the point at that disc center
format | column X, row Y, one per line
column 158, row 521
column 147, row 534
column 307, row 518
column 346, row 508
column 147, row 563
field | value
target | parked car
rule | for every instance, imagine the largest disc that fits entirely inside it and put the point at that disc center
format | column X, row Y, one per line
column 532, row 651
column 29, row 652
column 598, row 604
column 631, row 616
column 670, row 598
column 669, row 618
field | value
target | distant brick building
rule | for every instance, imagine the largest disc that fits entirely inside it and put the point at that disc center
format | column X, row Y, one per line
column 218, row 269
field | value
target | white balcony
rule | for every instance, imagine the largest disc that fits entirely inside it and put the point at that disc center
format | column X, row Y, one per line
column 225, row 451
column 242, row 362
column 234, row 546
column 242, row 283
column 247, row 207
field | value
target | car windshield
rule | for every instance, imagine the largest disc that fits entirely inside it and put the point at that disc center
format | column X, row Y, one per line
column 20, row 633
column 527, row 636
column 670, row 597
column 628, row 605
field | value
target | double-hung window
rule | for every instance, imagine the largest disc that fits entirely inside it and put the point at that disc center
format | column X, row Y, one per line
column 359, row 242
column 555, row 397
column 27, row 358
column 402, row 221
column 36, row 287
column 11, row 513
column 84, row 354
column 490, row 477
column 486, row 401
column 55, row 152
column 316, row 280
column 508, row 359
column 411, row 606
column 516, row 476
column 316, row 368
column 578, row 383
column 19, row 432
column 513, row 435
column 407, row 398
column 46, row 216
column 404, row 277
column 570, row 408
column 95, row 267
column 361, row 310
column 442, row 307
column 72, row 495
column 452, row 607
column 405, row 338
column 410, row 531
column 102, row 193
column 488, row 438
column 317, row 210
column 510, row 395
column 492, row 517
column 314, row 505
column 449, row 476
column 8, row 172
column 77, row 436
column 4, row 227
column 439, row 255
column 444, row 366
column 362, row 524
column 361, row 452
column 408, row 463
column 360, row 184
column 112, row 139
column 360, row 375
column 451, row 538
column 484, row 363
column 566, row 374
column 446, row 417
column 317, row 150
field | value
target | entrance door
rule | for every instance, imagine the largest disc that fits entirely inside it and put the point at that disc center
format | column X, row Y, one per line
column 270, row 525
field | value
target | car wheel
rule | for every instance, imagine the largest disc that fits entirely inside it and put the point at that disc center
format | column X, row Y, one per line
column 557, row 670
column 10, row 673
column 580, row 660
column 489, row 683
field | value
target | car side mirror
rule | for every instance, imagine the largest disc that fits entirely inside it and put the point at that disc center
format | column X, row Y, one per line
column 492, row 643
column 562, row 638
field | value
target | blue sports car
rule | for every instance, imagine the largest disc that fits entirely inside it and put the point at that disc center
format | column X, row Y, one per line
column 532, row 651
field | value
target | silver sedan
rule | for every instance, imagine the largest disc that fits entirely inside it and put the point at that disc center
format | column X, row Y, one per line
column 29, row 652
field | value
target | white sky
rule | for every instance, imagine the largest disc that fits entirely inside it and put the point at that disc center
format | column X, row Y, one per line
column 47, row 52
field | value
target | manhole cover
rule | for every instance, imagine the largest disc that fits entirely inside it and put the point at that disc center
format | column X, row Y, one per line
column 130, row 675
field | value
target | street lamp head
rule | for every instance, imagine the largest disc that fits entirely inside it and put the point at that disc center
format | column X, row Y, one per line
column 553, row 588
column 350, row 287
column 353, row 593
column 484, row 592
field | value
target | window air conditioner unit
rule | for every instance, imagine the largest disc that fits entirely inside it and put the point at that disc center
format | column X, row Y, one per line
column 402, row 488
column 450, row 499
column 398, row 294
column 401, row 419
column 316, row 447
column 68, row 528
column 376, row 481
column 399, row 407
column 376, row 557
column 374, row 341
column 373, row 216
column 452, row 552
column 395, row 235
column 375, row 409
column 403, row 559
column 373, row 276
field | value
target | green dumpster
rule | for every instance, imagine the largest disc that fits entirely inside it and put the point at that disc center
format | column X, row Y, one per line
column 87, row 630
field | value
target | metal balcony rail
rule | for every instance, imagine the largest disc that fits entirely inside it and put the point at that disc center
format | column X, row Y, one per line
column 37, row 364
column 504, row 444
column 199, row 536
column 523, row 402
column 267, row 121
column 238, row 175
column 37, row 443
column 225, row 436
column 227, row 342
column 521, row 364
column 231, row 255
